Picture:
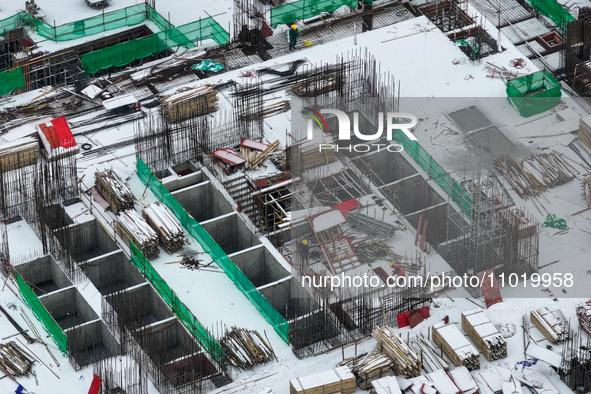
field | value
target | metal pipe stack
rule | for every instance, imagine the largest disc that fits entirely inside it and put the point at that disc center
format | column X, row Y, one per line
column 114, row 190
column 165, row 224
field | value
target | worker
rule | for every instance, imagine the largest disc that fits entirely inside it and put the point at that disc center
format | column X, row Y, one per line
column 304, row 252
column 293, row 36
column 397, row 270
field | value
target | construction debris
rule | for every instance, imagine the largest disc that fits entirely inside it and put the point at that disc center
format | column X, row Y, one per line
column 190, row 102
column 587, row 190
column 368, row 367
column 338, row 380
column 408, row 362
column 429, row 355
column 162, row 221
column 584, row 316
column 370, row 226
column 114, row 190
column 387, row 385
column 585, row 130
column 246, row 348
column 19, row 153
column 551, row 323
column 484, row 334
column 455, row 345
column 131, row 226
column 14, row 361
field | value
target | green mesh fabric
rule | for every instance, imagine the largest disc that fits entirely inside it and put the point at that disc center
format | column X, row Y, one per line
column 534, row 93
column 14, row 22
column 180, row 310
column 10, row 80
column 303, row 9
column 42, row 314
column 212, row 248
column 553, row 10
column 120, row 54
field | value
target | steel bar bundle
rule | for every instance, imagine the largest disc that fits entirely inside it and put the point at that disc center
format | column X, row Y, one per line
column 455, row 345
column 131, row 226
column 165, row 224
column 246, row 348
column 584, row 316
column 190, row 103
column 429, row 355
column 408, row 362
column 368, row 367
column 484, row 334
column 551, row 323
column 20, row 153
column 114, row 190
column 370, row 226
column 14, row 361
column 549, row 168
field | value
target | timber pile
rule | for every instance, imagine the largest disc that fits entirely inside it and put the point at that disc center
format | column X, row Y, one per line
column 430, row 356
column 19, row 153
column 585, row 130
column 484, row 334
column 307, row 153
column 14, row 361
column 551, row 323
column 261, row 157
column 455, row 345
column 584, row 316
column 408, row 362
column 112, row 189
column 246, row 348
column 587, row 190
column 131, row 226
column 338, row 380
column 168, row 228
column 368, row 367
column 190, row 103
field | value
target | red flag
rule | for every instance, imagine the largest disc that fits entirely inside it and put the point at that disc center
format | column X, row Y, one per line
column 96, row 385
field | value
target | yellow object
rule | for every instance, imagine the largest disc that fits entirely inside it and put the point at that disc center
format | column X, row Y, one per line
column 294, row 27
column 307, row 43
column 305, row 242
column 391, row 265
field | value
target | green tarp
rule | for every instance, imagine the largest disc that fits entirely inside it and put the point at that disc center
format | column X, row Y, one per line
column 534, row 93
column 10, row 80
column 304, row 9
column 556, row 12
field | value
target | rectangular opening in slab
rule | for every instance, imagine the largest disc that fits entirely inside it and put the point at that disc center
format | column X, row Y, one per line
column 187, row 174
column 185, row 169
column 91, row 342
column 260, row 266
column 55, row 216
column 43, row 275
column 112, row 272
column 86, row 240
column 163, row 173
column 291, row 301
column 231, row 233
column 139, row 306
column 189, row 369
column 203, row 201
column 412, row 195
column 68, row 308
column 310, row 329
column 385, row 167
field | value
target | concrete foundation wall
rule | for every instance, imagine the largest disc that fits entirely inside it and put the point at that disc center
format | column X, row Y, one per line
column 413, row 194
column 231, row 233
column 112, row 272
column 68, row 308
column 89, row 238
column 182, row 181
column 44, row 275
column 289, row 298
column 259, row 266
column 141, row 304
column 388, row 166
column 203, row 201
column 91, row 342
column 168, row 340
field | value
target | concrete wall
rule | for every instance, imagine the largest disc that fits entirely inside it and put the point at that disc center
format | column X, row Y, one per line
column 231, row 233
column 89, row 238
column 203, row 201
column 140, row 303
column 168, row 340
column 44, row 275
column 68, row 307
column 289, row 298
column 259, row 266
column 91, row 342
column 112, row 272
column 388, row 166
column 177, row 182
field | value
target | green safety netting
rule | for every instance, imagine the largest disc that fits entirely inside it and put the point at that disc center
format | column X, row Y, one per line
column 124, row 53
column 554, row 222
column 215, row 251
column 14, row 22
column 10, row 80
column 181, row 311
column 435, row 171
column 534, row 93
column 303, row 9
column 208, row 65
column 552, row 9
column 42, row 314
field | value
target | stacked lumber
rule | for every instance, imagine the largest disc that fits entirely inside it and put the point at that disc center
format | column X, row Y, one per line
column 387, row 385
column 246, row 348
column 463, row 380
column 14, row 361
column 169, row 229
column 584, row 316
column 585, row 130
column 442, row 382
column 261, row 157
column 131, row 226
column 307, row 153
column 587, row 190
column 19, row 153
column 112, row 189
column 338, row 380
column 430, row 356
column 484, row 334
column 455, row 345
column 190, row 102
column 407, row 361
column 368, row 367
column 551, row 323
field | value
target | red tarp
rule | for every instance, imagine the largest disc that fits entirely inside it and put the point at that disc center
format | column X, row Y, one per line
column 58, row 134
column 229, row 156
column 347, row 206
column 403, row 319
column 424, row 311
column 95, row 385
column 490, row 288
column 415, row 319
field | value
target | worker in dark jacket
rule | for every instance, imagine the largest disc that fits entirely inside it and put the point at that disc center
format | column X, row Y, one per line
column 293, row 36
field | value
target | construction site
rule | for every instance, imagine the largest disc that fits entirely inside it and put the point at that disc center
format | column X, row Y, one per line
column 195, row 199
